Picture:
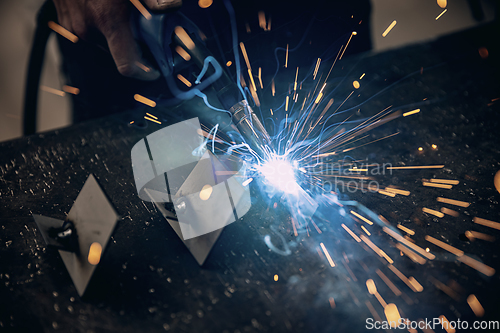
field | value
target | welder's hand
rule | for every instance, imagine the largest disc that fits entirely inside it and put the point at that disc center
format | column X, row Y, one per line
column 112, row 19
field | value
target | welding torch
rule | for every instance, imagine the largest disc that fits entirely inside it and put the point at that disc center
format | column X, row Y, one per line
column 163, row 33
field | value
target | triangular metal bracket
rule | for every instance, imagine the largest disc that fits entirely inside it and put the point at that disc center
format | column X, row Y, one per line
column 93, row 218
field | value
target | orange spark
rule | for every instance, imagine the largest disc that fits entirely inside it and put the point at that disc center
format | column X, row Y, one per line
column 405, row 229
column 366, row 231
column 380, row 300
column 392, row 315
column 389, row 28
column 63, row 32
column 402, row 277
column 137, row 4
column 479, row 266
column 472, row 235
column 354, row 33
column 262, row 20
column 370, row 285
column 245, row 55
column 450, row 212
column 444, row 246
column 295, row 83
column 409, row 244
column 453, row 202
column 447, row 290
column 316, row 69
column 330, row 261
column 432, row 212
column 260, row 78
column 153, row 120
column 95, row 252
column 437, row 185
column 389, row 194
column 205, row 3
column 353, row 235
column 409, row 113
column 483, row 52
column 144, row 100
column 410, row 254
column 184, row 37
column 143, row 67
column 444, row 181
column 255, row 96
column 252, row 80
column 397, row 191
column 444, row 11
column 446, row 324
column 71, row 90
column 52, row 91
column 372, row 289
column 442, row 3
column 475, row 305
column 332, row 302
column 376, row 249
column 496, row 181
column 361, row 217
column 320, row 95
column 286, row 58
column 417, row 167
column 388, row 282
column 355, row 169
column 183, row 53
column 184, row 80
column 487, row 223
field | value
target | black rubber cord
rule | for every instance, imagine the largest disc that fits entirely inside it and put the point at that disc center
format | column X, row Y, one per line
column 47, row 13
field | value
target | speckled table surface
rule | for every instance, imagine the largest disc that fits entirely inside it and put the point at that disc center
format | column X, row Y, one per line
column 147, row 281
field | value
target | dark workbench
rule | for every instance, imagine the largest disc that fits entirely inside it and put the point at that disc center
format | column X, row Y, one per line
column 147, row 281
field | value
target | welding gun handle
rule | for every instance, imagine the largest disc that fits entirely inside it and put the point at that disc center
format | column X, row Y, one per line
column 226, row 90
column 159, row 34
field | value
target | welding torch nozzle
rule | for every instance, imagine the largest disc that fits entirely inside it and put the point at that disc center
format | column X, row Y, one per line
column 250, row 126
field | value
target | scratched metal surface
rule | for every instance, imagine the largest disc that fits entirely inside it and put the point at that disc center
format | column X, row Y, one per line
column 147, row 280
